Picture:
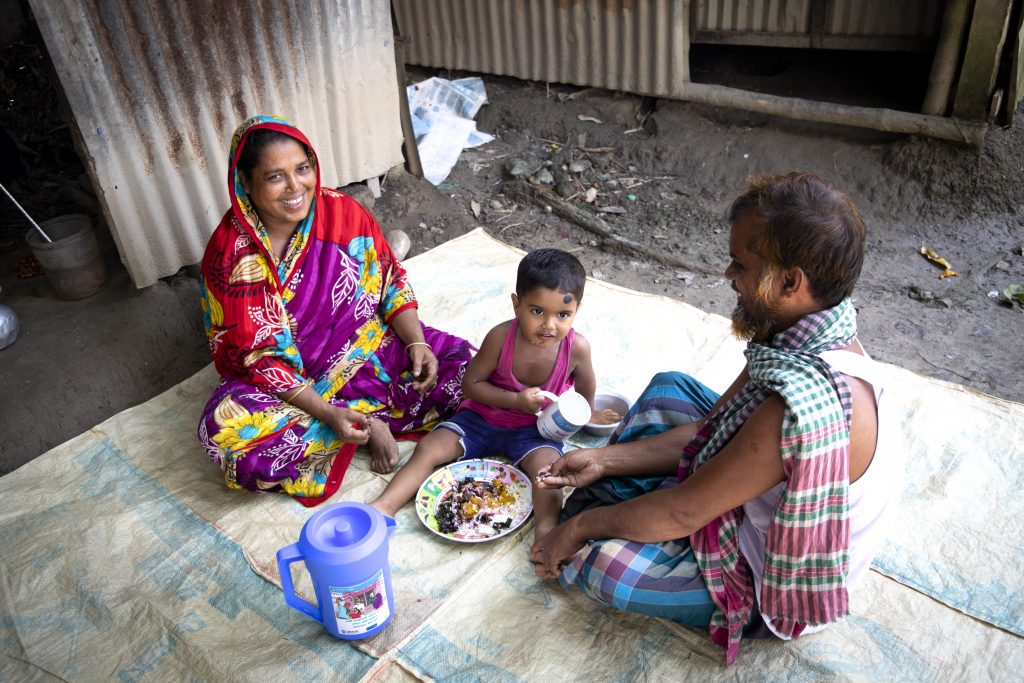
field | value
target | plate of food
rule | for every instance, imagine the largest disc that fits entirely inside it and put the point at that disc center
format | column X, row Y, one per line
column 471, row 501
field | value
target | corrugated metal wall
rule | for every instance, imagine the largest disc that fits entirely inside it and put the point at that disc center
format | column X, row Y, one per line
column 773, row 16
column 157, row 88
column 633, row 45
column 884, row 17
column 842, row 17
column 642, row 46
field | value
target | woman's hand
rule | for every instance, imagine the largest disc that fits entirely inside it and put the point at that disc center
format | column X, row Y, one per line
column 424, row 367
column 350, row 426
column 576, row 468
column 560, row 545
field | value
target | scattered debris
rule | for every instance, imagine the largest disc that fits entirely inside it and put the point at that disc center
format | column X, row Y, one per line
column 685, row 275
column 580, row 166
column 523, row 191
column 926, row 296
column 939, row 367
column 521, row 167
column 1015, row 295
column 475, row 208
column 28, row 267
column 399, row 242
column 922, row 295
column 542, row 177
column 591, row 119
column 442, row 113
column 930, row 254
column 361, row 193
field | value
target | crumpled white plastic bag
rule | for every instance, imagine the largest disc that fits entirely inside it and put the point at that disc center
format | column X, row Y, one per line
column 442, row 120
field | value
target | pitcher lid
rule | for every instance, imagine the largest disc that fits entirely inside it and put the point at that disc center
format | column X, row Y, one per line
column 343, row 532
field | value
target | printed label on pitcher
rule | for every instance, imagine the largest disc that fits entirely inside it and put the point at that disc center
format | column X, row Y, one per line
column 563, row 424
column 361, row 608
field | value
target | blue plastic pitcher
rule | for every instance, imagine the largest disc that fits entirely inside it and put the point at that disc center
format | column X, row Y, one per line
column 345, row 548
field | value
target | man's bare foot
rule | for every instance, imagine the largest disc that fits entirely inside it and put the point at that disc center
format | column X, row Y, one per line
column 539, row 532
column 383, row 447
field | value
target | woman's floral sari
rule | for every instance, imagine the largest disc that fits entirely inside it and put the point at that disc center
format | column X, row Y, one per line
column 321, row 315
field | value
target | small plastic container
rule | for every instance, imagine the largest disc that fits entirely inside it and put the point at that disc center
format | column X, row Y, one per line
column 607, row 400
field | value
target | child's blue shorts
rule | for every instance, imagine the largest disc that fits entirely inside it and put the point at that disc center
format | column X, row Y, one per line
column 479, row 438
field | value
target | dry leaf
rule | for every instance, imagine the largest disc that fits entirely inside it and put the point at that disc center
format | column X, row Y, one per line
column 611, row 209
column 475, row 206
column 590, row 195
column 932, row 256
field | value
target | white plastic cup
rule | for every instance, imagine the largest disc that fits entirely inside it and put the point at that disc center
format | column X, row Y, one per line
column 564, row 416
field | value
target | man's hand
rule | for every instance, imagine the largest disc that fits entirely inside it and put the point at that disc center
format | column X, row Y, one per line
column 576, row 468
column 560, row 545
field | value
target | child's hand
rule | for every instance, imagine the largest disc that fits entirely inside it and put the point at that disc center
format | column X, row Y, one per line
column 529, row 400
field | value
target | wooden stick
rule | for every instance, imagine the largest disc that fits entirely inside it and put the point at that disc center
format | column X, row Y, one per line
column 525, row 192
column 947, row 56
column 889, row 120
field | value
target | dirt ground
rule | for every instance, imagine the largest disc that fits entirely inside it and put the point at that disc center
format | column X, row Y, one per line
column 670, row 183
column 660, row 175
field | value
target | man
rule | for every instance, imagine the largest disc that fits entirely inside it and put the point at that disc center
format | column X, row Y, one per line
column 781, row 485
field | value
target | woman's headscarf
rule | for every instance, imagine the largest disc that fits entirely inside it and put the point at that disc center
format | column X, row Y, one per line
column 242, row 206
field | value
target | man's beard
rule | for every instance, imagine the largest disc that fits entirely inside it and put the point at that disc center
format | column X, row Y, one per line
column 754, row 319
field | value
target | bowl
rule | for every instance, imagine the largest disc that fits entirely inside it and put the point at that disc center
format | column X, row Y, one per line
column 612, row 401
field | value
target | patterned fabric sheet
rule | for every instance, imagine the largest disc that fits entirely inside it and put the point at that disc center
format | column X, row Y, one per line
column 123, row 556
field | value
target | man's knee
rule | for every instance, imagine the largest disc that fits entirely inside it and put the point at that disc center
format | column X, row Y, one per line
column 670, row 377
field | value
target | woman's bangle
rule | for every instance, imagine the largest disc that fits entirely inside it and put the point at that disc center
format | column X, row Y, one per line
column 411, row 344
column 297, row 392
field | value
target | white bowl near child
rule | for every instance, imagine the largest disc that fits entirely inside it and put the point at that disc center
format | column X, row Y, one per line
column 607, row 400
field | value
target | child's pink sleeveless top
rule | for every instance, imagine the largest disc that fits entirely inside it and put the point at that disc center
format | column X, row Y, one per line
column 557, row 382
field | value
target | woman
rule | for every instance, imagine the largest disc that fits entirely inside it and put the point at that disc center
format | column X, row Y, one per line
column 312, row 327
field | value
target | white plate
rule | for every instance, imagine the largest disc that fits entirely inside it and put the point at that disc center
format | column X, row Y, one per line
column 438, row 485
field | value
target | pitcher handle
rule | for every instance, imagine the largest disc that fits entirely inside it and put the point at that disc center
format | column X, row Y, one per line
column 285, row 557
column 548, row 395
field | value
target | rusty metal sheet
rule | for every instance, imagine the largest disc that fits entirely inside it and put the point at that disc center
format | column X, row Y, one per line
column 840, row 17
column 763, row 16
column 632, row 45
column 828, row 24
column 156, row 89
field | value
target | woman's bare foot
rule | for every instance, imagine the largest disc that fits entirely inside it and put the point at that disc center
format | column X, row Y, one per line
column 383, row 447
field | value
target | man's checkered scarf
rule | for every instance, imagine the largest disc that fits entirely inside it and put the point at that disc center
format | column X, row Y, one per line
column 806, row 558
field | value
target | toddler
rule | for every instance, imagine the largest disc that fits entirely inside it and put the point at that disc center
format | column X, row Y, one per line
column 536, row 350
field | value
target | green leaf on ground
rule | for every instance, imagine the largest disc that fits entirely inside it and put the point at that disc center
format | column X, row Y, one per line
column 1015, row 293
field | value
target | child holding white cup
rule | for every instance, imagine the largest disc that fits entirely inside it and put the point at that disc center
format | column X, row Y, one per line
column 536, row 351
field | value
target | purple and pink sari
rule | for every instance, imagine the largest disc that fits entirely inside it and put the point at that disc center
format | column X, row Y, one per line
column 321, row 316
